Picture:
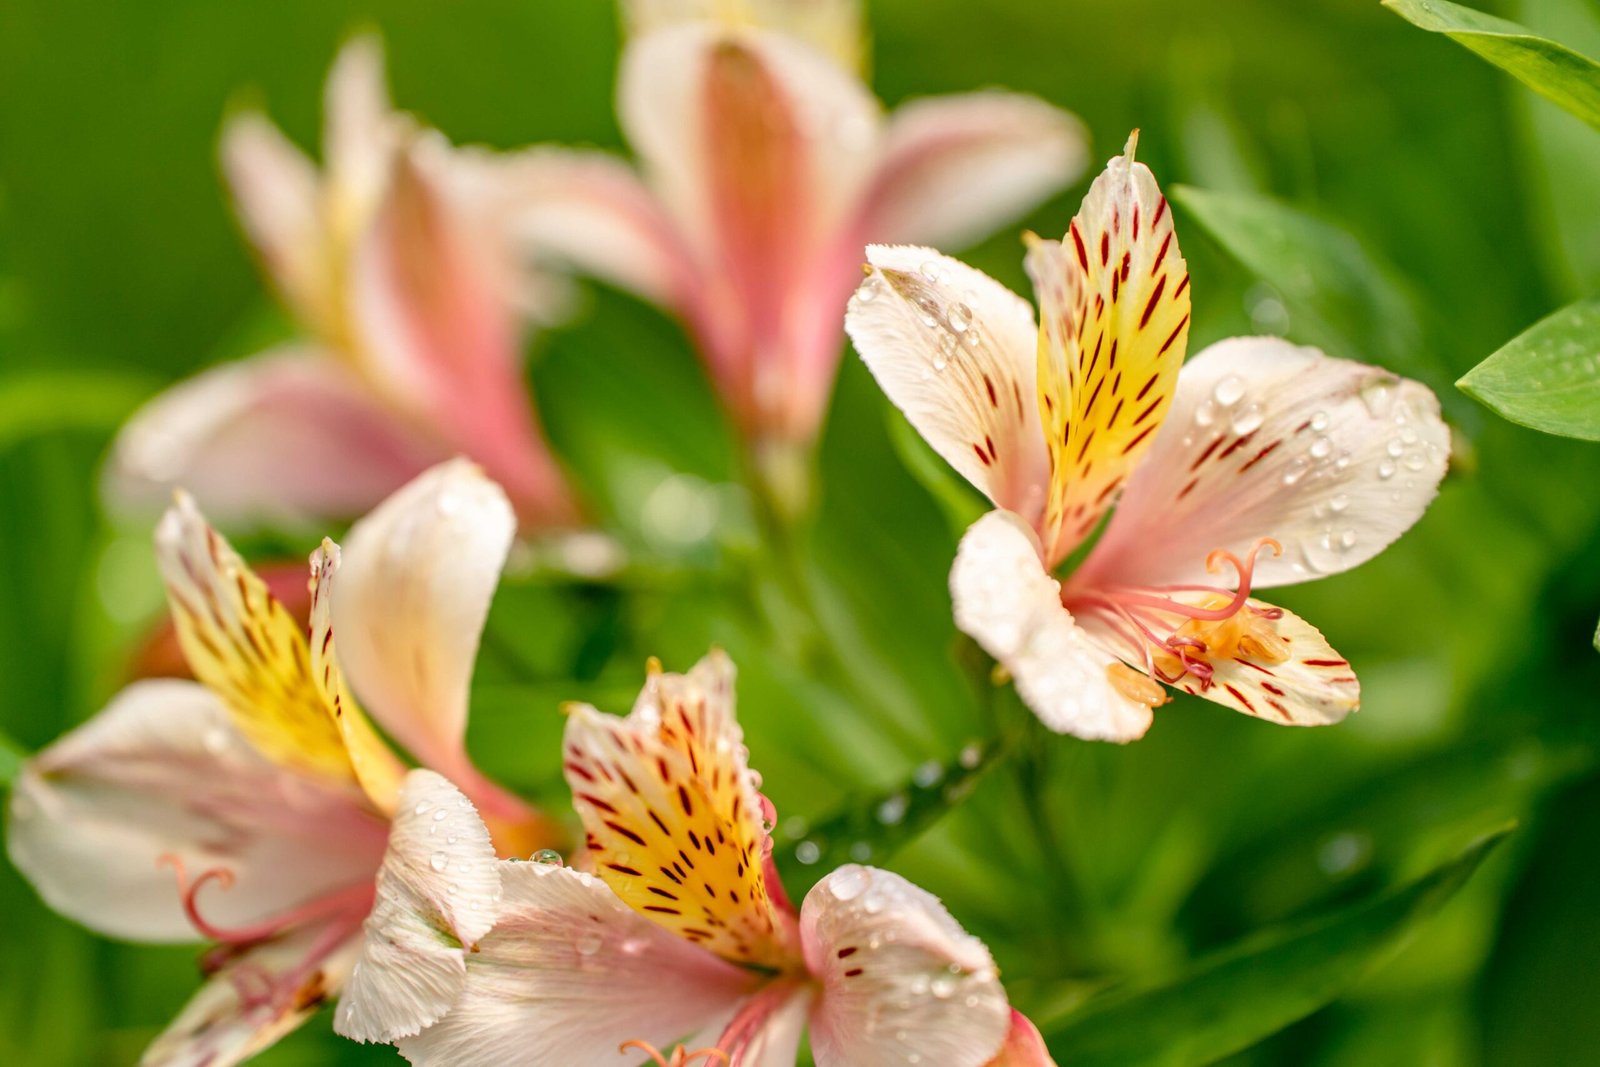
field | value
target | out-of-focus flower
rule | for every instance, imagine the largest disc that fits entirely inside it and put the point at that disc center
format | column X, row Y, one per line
column 254, row 807
column 394, row 262
column 765, row 167
column 1269, row 459
column 684, row 932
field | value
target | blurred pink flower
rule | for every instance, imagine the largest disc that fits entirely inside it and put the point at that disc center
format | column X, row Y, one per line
column 395, row 265
column 684, row 928
column 1259, row 456
column 256, row 807
column 765, row 166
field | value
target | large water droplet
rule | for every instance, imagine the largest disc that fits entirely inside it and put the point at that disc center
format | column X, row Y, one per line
column 959, row 317
column 441, row 815
column 1229, row 391
column 588, row 943
column 439, row 861
column 1338, row 502
column 943, row 987
column 1386, row 469
column 1248, row 419
column 868, row 291
column 547, row 856
column 421, row 808
column 848, row 883
column 1321, row 448
column 1319, row 421
column 1206, row 413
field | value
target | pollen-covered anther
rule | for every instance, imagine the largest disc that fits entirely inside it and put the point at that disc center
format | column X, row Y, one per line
column 1136, row 686
column 680, row 1056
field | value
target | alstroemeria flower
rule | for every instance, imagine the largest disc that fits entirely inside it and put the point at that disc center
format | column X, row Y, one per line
column 1260, row 457
column 683, row 933
column 396, row 264
column 766, row 167
column 254, row 806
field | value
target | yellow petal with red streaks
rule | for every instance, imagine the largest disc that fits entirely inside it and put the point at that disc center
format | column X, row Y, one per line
column 1114, row 324
column 673, row 817
column 376, row 767
column 245, row 647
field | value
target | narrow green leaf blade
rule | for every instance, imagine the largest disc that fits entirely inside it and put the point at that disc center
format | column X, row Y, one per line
column 1548, row 377
column 1550, row 69
column 962, row 505
column 1245, row 994
column 41, row 402
column 11, row 757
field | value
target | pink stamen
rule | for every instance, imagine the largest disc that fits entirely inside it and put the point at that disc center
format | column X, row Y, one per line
column 355, row 900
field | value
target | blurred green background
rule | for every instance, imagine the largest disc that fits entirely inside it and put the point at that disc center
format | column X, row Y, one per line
column 1435, row 210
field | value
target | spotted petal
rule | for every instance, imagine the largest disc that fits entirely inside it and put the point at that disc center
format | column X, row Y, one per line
column 673, row 817
column 955, row 351
column 902, row 983
column 1006, row 601
column 569, row 973
column 1114, row 316
column 1333, row 459
column 438, row 894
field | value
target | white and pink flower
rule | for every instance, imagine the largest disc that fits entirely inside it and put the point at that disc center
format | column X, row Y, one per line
column 255, row 806
column 684, row 934
column 395, row 262
column 1258, row 463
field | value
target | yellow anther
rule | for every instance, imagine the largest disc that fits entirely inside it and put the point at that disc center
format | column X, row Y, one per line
column 1136, row 686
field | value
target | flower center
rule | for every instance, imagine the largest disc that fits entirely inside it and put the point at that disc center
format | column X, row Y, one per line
column 680, row 1057
column 1180, row 630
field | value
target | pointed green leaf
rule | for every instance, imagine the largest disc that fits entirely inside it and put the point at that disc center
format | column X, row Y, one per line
column 1552, row 70
column 1231, row 1001
column 1548, row 377
column 962, row 505
column 11, row 757
column 870, row 828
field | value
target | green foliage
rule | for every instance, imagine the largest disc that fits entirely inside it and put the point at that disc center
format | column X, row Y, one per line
column 1547, row 378
column 11, row 757
column 1550, row 69
column 44, row 402
column 1230, row 1001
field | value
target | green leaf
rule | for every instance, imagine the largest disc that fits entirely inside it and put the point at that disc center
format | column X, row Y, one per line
column 1340, row 296
column 11, row 757
column 41, row 402
column 961, row 504
column 1552, row 70
column 1231, row 1001
column 871, row 828
column 1548, row 377
column 1597, row 638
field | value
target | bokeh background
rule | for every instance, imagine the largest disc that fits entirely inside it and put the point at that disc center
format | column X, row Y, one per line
column 1359, row 184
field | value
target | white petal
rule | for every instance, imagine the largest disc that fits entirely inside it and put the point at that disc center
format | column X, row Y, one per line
column 955, row 351
column 275, row 192
column 902, row 983
column 1333, row 459
column 360, row 129
column 415, row 585
column 218, row 1027
column 438, row 894
column 280, row 439
column 162, row 771
column 569, row 973
column 1006, row 601
column 956, row 167
column 831, row 26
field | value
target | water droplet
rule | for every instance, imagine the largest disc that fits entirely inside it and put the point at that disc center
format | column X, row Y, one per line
column 893, row 809
column 1343, row 853
column 847, row 883
column 1338, row 502
column 1229, row 391
column 943, row 987
column 1205, row 414
column 1386, row 469
column 441, row 815
column 1319, row 421
column 933, row 271
column 452, row 889
column 868, row 291
column 959, row 317
column 452, row 839
column 1321, row 448
column 1296, row 470
column 421, row 808
column 1378, row 396
column 439, row 861
column 1415, row 461
column 1248, row 419
column 1394, row 448
column 872, row 903
column 927, row 774
column 807, row 852
column 589, row 943
column 1347, row 540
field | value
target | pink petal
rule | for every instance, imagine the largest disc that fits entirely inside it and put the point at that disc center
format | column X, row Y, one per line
column 1024, row 1047
column 162, row 771
column 955, row 168
column 901, row 981
column 1333, row 459
column 956, row 352
column 438, row 895
column 284, row 439
column 569, row 973
column 1008, row 603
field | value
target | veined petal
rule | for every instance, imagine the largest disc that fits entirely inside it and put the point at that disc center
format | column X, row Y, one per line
column 375, row 767
column 831, row 26
column 1005, row 600
column 766, row 1031
column 955, row 351
column 438, row 895
column 283, row 438
column 1024, row 1047
column 415, row 584
column 1114, row 318
column 954, row 168
column 673, row 817
column 275, row 193
column 163, row 772
column 256, row 997
column 568, row 973
column 1332, row 459
column 243, row 646
column 902, row 983
column 589, row 210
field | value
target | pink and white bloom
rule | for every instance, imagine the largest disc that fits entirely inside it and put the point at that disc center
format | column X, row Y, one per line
column 255, row 806
column 683, row 932
column 1259, row 457
column 765, row 166
column 395, row 262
